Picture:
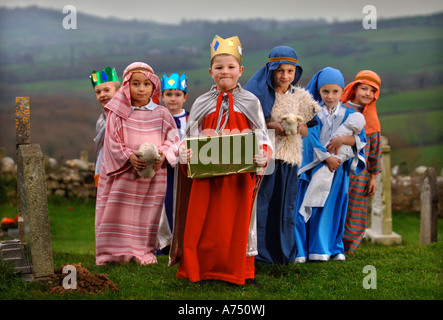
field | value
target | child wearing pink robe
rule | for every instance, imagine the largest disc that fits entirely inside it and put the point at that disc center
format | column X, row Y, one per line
column 129, row 207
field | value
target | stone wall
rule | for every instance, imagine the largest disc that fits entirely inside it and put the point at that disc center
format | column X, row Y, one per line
column 406, row 190
column 75, row 178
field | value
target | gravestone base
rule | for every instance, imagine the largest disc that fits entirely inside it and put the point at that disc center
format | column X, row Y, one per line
column 380, row 212
column 13, row 254
column 385, row 239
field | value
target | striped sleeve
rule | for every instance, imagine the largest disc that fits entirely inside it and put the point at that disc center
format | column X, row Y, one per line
column 115, row 153
column 374, row 153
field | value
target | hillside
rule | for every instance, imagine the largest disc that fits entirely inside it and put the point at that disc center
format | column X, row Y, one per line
column 40, row 59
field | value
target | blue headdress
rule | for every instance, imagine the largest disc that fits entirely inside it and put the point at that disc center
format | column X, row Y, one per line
column 260, row 83
column 327, row 75
column 175, row 82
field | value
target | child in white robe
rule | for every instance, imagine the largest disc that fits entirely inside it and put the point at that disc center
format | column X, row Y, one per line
column 321, row 181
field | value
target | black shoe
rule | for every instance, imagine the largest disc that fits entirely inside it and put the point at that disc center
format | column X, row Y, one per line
column 252, row 282
column 165, row 250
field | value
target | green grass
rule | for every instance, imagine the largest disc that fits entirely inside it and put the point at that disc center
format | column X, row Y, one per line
column 411, row 122
column 414, row 156
column 78, row 86
column 413, row 129
column 405, row 272
column 413, row 100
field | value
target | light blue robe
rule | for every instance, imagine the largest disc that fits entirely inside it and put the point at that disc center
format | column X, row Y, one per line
column 320, row 238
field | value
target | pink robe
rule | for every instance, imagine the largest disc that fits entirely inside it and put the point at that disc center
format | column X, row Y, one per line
column 129, row 207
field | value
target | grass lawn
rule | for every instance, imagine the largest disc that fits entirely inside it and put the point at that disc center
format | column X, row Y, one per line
column 405, row 272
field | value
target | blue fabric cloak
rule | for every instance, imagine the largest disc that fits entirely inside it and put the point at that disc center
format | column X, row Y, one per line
column 321, row 237
column 276, row 197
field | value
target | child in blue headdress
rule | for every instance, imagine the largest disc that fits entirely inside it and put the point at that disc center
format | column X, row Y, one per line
column 323, row 206
column 174, row 94
column 274, row 85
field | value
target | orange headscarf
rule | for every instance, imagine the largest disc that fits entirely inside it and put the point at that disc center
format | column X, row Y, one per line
column 369, row 111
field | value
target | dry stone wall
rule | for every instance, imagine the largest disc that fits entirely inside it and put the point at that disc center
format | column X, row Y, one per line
column 75, row 178
column 406, row 191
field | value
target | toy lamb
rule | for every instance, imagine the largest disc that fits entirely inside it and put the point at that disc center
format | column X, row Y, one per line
column 148, row 153
column 290, row 123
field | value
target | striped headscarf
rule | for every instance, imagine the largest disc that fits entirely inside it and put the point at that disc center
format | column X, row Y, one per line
column 369, row 111
column 121, row 103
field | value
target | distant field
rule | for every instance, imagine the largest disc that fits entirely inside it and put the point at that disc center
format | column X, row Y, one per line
column 413, row 100
column 406, row 53
column 412, row 122
column 409, row 33
column 54, row 88
column 429, row 156
column 414, row 129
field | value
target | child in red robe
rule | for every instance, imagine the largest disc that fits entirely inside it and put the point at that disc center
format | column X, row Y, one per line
column 214, row 222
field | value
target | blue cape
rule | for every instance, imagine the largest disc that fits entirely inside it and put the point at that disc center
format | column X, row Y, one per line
column 260, row 83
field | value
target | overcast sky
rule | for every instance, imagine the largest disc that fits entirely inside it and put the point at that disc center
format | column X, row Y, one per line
column 174, row 11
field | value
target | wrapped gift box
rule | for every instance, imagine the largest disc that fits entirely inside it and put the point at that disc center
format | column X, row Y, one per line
column 222, row 155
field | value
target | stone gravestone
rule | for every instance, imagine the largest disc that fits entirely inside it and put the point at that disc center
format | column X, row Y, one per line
column 13, row 253
column 429, row 208
column 84, row 156
column 32, row 201
column 380, row 211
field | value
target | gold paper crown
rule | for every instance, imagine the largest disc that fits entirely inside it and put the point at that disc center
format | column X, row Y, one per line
column 230, row 46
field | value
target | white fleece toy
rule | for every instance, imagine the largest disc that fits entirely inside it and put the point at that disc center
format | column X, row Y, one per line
column 149, row 154
column 290, row 123
column 293, row 107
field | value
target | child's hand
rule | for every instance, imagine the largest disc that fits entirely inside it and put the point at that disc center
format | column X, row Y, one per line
column 372, row 185
column 334, row 145
column 277, row 127
column 261, row 159
column 184, row 154
column 302, row 129
column 136, row 162
column 158, row 164
column 333, row 163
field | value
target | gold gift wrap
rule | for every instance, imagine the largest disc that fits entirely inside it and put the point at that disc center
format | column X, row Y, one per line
column 222, row 155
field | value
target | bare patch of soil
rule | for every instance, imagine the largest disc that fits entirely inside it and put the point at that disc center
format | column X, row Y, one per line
column 86, row 281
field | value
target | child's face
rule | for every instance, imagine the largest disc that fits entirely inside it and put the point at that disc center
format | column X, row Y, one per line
column 283, row 77
column 141, row 89
column 174, row 100
column 364, row 94
column 331, row 94
column 225, row 70
column 105, row 92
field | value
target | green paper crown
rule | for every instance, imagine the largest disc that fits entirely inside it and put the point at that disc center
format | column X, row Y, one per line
column 98, row 77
